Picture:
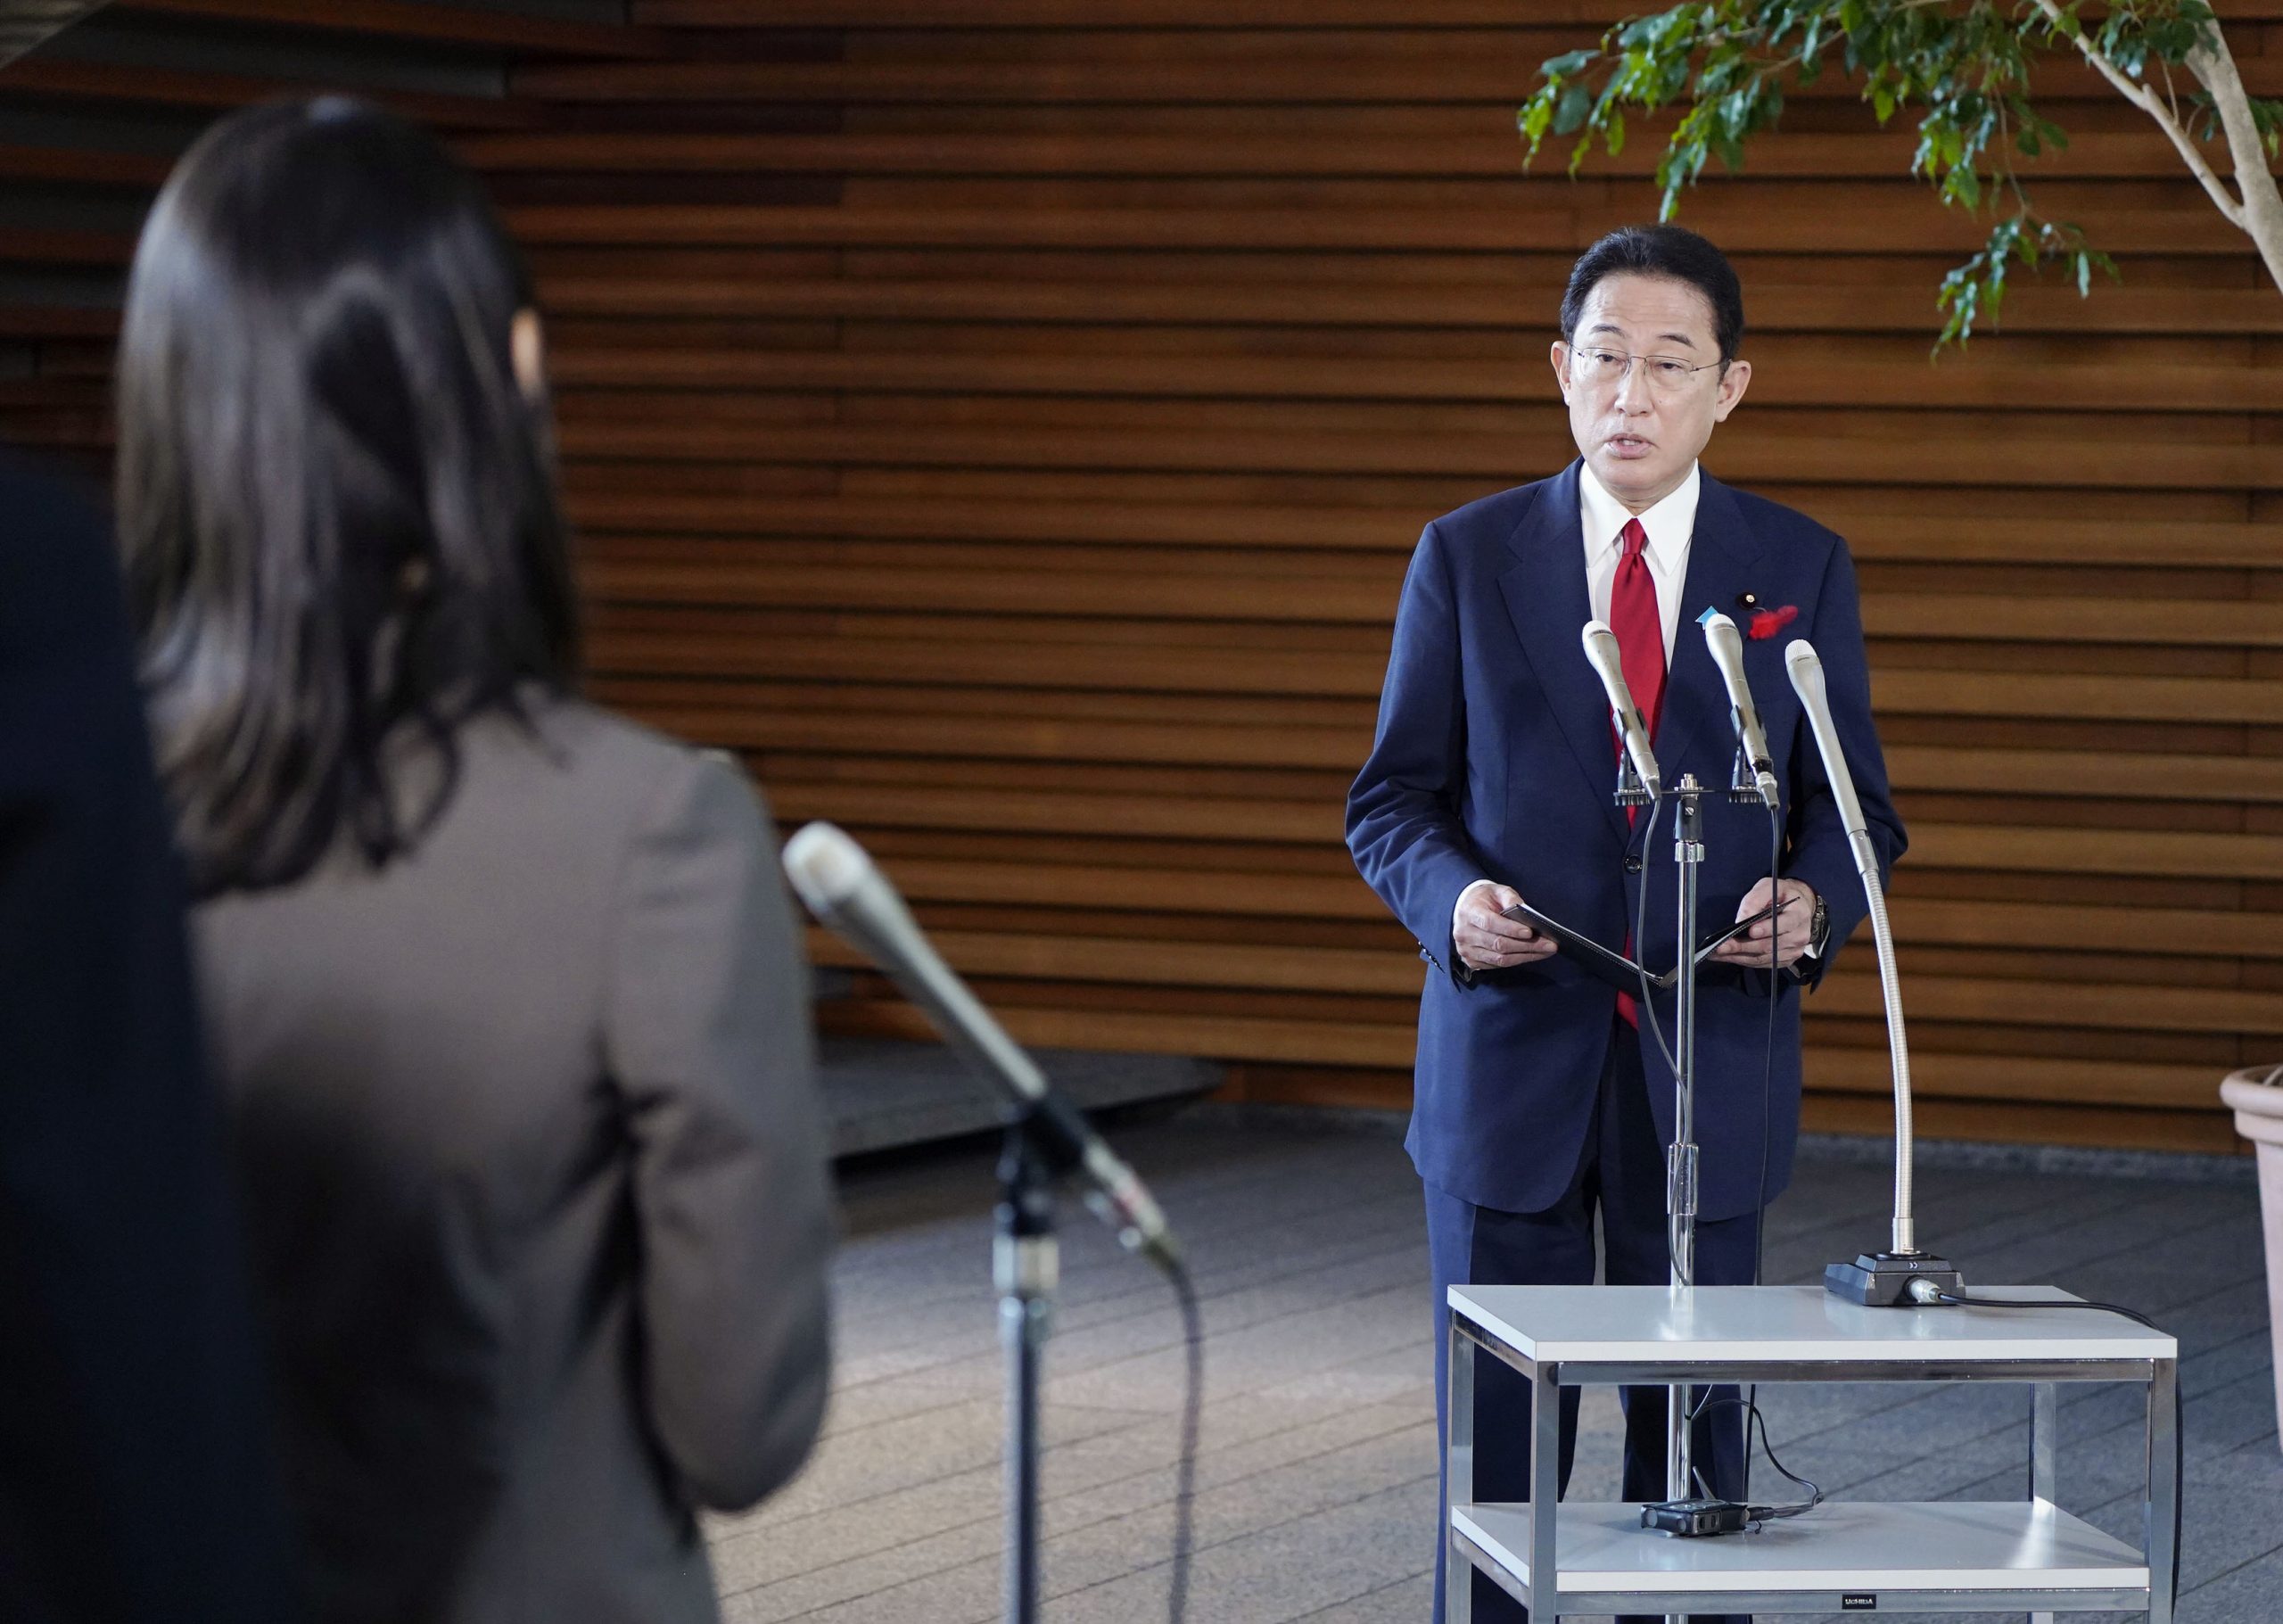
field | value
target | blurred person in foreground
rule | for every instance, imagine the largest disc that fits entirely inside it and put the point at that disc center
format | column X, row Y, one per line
column 136, row 1481
column 504, row 991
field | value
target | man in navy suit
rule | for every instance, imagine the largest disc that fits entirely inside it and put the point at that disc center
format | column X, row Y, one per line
column 1541, row 1106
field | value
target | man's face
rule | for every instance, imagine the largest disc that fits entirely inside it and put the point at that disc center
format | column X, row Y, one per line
column 1640, row 423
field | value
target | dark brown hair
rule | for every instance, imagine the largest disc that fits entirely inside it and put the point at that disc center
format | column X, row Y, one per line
column 1674, row 252
column 338, row 509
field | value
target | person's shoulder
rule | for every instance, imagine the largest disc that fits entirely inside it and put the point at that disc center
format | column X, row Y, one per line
column 1482, row 529
column 635, row 774
column 1497, row 514
column 1772, row 521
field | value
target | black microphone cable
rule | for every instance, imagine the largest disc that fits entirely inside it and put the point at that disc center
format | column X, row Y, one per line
column 1755, row 1416
column 1766, row 1076
column 1767, row 1109
column 1647, row 1003
column 1959, row 1299
column 1759, row 1209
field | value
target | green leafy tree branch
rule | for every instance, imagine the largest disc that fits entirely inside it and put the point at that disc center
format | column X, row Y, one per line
column 1965, row 66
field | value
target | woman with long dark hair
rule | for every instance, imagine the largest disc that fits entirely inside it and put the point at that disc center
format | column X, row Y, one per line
column 504, row 990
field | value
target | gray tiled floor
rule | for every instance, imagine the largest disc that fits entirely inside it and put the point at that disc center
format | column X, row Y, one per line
column 1316, row 1473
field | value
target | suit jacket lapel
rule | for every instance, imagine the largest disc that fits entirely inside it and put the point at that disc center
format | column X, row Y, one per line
column 1544, row 590
column 1696, row 713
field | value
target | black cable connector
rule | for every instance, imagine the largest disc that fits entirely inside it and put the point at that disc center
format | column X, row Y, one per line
column 1697, row 1519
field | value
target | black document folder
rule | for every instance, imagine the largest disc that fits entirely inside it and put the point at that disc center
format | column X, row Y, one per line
column 1619, row 971
column 1598, row 962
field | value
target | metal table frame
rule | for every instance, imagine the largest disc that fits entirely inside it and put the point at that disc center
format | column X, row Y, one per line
column 2161, row 1376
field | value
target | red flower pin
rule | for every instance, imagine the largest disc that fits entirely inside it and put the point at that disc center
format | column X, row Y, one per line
column 1767, row 622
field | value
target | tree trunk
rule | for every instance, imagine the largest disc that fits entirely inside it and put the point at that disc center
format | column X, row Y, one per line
column 2215, row 66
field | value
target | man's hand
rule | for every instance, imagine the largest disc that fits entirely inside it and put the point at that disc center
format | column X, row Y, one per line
column 1485, row 938
column 1789, row 929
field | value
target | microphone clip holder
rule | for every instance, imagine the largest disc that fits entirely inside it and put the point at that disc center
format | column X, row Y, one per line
column 1630, row 790
column 1745, row 787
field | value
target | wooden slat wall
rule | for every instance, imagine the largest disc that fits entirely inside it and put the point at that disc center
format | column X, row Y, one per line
column 1035, row 507
column 1010, row 436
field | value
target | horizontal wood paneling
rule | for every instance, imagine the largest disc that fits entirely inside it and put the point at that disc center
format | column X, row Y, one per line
column 1446, row 68
column 1007, row 425
column 1527, row 220
column 1304, row 16
column 2242, row 312
column 1487, row 150
column 1136, row 390
column 419, row 22
column 111, row 82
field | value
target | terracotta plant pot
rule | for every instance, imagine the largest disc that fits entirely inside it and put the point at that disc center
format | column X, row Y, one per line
column 2255, row 1093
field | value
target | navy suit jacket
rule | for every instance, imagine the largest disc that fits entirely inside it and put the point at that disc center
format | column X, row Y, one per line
column 1495, row 760
column 136, row 1481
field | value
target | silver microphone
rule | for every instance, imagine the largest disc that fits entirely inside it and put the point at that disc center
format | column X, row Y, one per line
column 1726, row 646
column 839, row 880
column 1600, row 649
column 1806, row 671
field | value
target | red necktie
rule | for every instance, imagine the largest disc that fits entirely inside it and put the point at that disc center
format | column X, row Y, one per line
column 1640, row 629
column 1641, row 650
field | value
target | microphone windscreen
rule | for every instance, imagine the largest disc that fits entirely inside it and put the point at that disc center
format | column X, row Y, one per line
column 824, row 866
column 1601, row 647
column 1806, row 670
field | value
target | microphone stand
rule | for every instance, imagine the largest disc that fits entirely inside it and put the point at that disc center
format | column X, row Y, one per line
column 1047, row 1139
column 1025, row 1267
column 1901, row 1276
column 1681, row 1156
column 1680, row 1160
column 1043, row 1145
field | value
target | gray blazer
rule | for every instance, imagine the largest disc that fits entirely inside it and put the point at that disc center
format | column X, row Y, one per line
column 536, row 1176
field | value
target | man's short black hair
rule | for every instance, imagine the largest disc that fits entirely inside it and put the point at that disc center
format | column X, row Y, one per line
column 1672, row 252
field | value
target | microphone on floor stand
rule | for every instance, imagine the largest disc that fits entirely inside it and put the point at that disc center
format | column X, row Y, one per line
column 842, row 886
column 1047, row 1137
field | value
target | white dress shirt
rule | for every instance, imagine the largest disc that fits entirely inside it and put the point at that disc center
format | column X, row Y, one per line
column 1670, row 524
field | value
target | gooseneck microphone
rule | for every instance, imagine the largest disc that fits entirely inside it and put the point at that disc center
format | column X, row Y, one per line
column 1806, row 671
column 839, row 880
column 1600, row 649
column 1726, row 646
column 1884, row 1279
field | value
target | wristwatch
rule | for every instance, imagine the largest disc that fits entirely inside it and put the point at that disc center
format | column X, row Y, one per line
column 1819, row 926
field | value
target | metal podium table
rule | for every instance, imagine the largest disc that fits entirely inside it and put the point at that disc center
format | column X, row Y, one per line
column 1942, row 1556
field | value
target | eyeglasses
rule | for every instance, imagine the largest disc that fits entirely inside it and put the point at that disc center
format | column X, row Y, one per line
column 1606, row 368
